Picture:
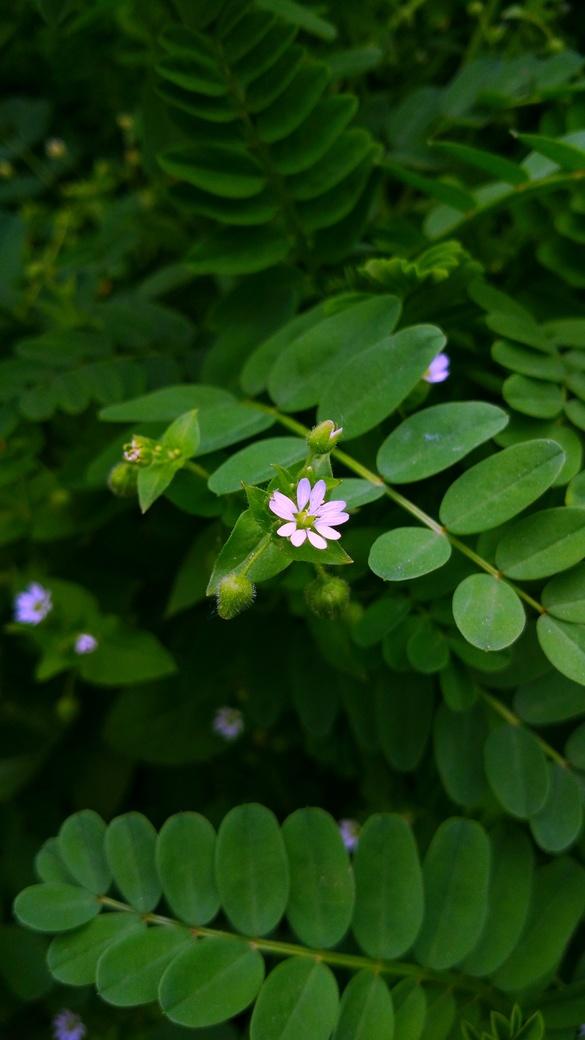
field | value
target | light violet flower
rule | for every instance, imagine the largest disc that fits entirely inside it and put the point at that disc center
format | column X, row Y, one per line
column 32, row 605
column 85, row 643
column 438, row 370
column 228, row 723
column 68, row 1026
column 350, row 832
column 309, row 517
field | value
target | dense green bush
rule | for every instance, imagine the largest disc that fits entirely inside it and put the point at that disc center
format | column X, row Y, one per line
column 258, row 257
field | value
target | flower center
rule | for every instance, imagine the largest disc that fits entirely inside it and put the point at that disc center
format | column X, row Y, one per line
column 304, row 519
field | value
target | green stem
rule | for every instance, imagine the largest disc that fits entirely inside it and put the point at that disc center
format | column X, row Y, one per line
column 404, row 503
column 198, row 470
column 481, row 29
column 506, row 713
column 253, row 556
column 352, row 962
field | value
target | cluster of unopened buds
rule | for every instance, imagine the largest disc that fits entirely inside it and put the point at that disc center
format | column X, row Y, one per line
column 143, row 451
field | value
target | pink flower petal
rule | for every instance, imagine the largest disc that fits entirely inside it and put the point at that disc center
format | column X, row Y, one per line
column 327, row 532
column 316, row 540
column 303, row 492
column 332, row 519
column 283, row 506
column 317, row 496
column 286, row 530
column 298, row 537
column 331, row 507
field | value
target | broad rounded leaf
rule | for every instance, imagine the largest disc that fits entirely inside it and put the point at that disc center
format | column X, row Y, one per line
column 517, row 770
column 410, row 1009
column 408, row 552
column 564, row 595
column 304, row 367
column 129, row 972
column 510, row 892
column 366, row 1011
column 81, row 844
column 556, row 908
column 435, row 438
column 389, row 890
column 252, row 869
column 185, row 853
column 72, row 958
column 488, row 612
column 550, row 698
column 564, row 645
column 321, row 897
column 575, row 748
column 166, row 404
column 55, row 907
column 130, row 845
column 254, row 464
column 298, row 1000
column 459, row 740
column 542, row 544
column 456, row 878
column 404, row 715
column 210, row 982
column 371, row 385
column 501, row 486
column 558, row 824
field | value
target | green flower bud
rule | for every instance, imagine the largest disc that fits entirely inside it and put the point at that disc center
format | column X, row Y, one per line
column 324, row 437
column 67, row 708
column 327, row 598
column 141, row 451
column 122, row 480
column 235, row 594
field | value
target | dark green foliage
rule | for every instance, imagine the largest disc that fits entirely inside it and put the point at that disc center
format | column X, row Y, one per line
column 251, row 249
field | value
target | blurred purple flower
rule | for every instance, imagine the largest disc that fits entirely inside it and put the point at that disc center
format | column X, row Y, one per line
column 350, row 833
column 228, row 723
column 32, row 605
column 68, row 1026
column 85, row 643
column 438, row 370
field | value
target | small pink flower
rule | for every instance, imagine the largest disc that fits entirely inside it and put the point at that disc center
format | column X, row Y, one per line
column 310, row 516
column 438, row 370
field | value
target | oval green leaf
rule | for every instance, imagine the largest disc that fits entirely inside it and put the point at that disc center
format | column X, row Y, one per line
column 564, row 596
column 252, row 869
column 185, row 854
column 389, row 889
column 130, row 847
column 488, row 612
column 305, row 366
column 55, row 907
column 435, row 438
column 456, row 878
column 548, row 699
column 558, row 824
column 517, row 770
column 459, row 740
column 501, row 486
column 556, row 909
column 410, row 1009
column 210, row 982
column 81, row 844
column 408, row 552
column 373, row 383
column 72, row 958
column 299, row 999
column 511, row 884
column 366, row 1011
column 129, row 972
column 564, row 645
column 542, row 544
column 321, row 897
column 254, row 463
